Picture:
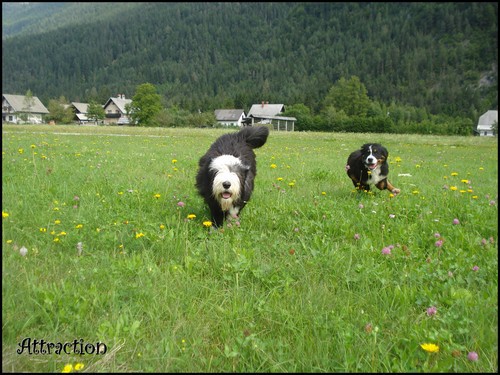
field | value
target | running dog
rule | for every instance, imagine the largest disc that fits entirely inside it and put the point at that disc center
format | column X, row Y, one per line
column 227, row 171
column 368, row 166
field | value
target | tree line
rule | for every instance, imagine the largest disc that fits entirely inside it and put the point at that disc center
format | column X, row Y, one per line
column 419, row 62
column 346, row 108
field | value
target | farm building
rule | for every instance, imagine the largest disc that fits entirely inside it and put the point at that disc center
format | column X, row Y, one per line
column 487, row 124
column 22, row 109
column 266, row 113
column 80, row 110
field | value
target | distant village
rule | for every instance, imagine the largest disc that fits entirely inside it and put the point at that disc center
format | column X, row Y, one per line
column 18, row 109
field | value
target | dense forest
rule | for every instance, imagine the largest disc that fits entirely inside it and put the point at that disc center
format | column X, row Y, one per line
column 438, row 57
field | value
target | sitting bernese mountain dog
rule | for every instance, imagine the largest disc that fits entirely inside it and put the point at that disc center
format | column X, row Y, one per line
column 368, row 166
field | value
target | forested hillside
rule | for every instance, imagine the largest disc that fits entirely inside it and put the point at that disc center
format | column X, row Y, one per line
column 442, row 57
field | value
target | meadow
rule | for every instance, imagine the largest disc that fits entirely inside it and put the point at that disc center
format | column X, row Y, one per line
column 105, row 241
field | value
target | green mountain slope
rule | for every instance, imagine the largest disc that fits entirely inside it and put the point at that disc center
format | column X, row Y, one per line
column 35, row 18
column 438, row 56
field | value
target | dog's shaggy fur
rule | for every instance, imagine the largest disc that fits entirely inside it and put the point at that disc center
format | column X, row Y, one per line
column 227, row 171
column 368, row 166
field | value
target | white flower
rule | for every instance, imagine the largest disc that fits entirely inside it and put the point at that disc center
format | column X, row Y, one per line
column 79, row 248
column 23, row 251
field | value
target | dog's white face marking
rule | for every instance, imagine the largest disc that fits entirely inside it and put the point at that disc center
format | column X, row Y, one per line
column 226, row 186
column 371, row 161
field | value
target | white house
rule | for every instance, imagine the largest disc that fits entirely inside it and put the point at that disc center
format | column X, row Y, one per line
column 485, row 123
column 230, row 117
column 22, row 109
column 115, row 110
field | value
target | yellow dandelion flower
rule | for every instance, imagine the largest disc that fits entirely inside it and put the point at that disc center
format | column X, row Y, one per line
column 273, row 166
column 56, row 239
column 291, row 184
column 280, row 179
column 481, row 168
column 430, row 348
column 67, row 368
column 139, row 235
column 454, row 173
column 453, row 188
column 5, row 214
column 79, row 226
column 157, row 196
column 175, row 169
column 417, row 166
column 62, row 233
column 20, row 150
column 174, row 161
column 474, row 197
column 470, row 191
column 191, row 216
column 56, row 208
column 43, row 230
column 57, row 221
column 397, row 159
column 162, row 226
column 415, row 192
column 323, row 193
column 120, row 193
column 79, row 366
column 391, row 195
column 464, row 181
column 9, row 241
column 33, row 146
column 207, row 224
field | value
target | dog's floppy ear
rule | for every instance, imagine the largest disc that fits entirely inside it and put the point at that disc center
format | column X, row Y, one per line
column 384, row 151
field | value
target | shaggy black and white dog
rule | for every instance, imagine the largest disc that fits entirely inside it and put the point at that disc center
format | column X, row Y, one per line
column 227, row 171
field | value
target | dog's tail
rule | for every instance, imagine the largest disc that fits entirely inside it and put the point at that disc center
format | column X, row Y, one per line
column 254, row 136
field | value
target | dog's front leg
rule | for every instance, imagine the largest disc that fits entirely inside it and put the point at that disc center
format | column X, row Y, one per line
column 217, row 215
column 385, row 184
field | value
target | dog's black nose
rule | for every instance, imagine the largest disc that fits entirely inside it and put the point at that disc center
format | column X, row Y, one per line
column 226, row 184
column 370, row 159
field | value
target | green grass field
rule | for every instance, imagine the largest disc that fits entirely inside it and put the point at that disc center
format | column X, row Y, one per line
column 104, row 241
